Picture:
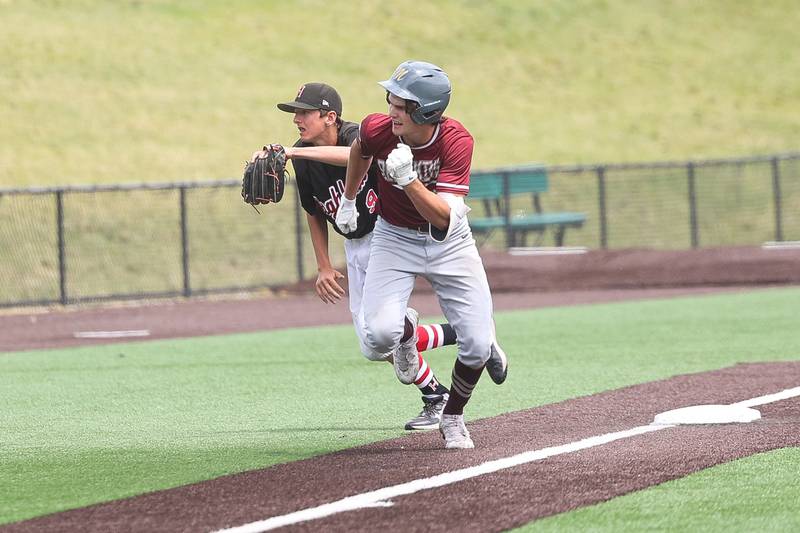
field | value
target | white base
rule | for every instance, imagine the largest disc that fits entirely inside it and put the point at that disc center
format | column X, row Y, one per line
column 708, row 414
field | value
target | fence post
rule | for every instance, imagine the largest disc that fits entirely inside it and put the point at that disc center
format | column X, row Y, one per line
column 695, row 232
column 62, row 264
column 507, row 210
column 776, row 191
column 187, row 287
column 601, row 198
column 298, row 234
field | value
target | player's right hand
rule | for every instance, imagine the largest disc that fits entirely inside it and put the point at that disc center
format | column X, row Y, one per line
column 347, row 215
column 288, row 150
column 400, row 165
column 327, row 286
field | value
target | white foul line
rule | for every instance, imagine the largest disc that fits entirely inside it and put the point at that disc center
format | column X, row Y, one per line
column 382, row 497
column 111, row 334
column 769, row 398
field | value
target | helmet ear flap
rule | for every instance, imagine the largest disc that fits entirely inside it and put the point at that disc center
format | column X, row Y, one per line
column 414, row 110
column 420, row 118
column 430, row 113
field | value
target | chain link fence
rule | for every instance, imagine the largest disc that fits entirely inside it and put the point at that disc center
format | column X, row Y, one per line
column 75, row 244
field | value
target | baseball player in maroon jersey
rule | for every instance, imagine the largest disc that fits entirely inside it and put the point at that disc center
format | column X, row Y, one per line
column 319, row 159
column 424, row 163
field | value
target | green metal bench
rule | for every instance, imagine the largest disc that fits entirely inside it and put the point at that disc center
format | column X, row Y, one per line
column 490, row 187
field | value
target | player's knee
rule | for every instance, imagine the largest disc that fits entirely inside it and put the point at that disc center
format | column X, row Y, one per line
column 474, row 350
column 381, row 341
column 382, row 334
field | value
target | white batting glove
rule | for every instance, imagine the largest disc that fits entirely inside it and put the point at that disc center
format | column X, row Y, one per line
column 347, row 215
column 399, row 165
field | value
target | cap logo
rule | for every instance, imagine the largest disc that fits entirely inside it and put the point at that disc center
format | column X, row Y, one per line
column 325, row 102
column 300, row 92
column 400, row 73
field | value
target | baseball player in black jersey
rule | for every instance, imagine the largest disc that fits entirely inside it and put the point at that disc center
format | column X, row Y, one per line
column 319, row 158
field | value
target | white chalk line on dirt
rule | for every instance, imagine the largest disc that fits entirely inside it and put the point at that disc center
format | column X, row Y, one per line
column 769, row 398
column 111, row 334
column 382, row 497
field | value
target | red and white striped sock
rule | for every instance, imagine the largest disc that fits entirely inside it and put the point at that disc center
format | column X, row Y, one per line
column 429, row 336
column 426, row 381
column 425, row 374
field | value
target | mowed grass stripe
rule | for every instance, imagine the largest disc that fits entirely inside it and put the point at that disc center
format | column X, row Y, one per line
column 189, row 94
column 93, row 424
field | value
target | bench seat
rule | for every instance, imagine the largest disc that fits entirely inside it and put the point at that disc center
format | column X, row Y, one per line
column 536, row 221
column 489, row 187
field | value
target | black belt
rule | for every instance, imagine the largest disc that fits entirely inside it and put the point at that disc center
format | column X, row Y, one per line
column 424, row 228
column 436, row 233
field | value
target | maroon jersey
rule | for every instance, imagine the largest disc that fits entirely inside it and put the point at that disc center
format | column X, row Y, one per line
column 442, row 165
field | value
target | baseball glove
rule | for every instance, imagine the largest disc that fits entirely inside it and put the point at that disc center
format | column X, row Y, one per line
column 264, row 178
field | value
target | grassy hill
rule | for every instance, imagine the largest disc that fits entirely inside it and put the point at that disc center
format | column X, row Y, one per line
column 158, row 90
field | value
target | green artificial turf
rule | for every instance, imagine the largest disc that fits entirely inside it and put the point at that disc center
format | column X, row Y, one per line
column 757, row 493
column 99, row 423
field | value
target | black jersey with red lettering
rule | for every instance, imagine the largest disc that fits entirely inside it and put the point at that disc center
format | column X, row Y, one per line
column 321, row 186
column 442, row 164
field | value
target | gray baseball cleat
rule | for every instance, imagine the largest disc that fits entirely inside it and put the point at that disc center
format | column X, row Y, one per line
column 497, row 365
column 406, row 357
column 455, row 432
column 430, row 415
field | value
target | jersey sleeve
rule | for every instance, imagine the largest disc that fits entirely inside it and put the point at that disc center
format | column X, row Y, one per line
column 457, row 161
column 371, row 128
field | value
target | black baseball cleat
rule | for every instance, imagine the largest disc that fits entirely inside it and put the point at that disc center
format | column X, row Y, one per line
column 431, row 413
column 497, row 365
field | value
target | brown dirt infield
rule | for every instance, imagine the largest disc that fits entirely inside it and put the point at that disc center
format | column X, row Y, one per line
column 493, row 502
column 518, row 282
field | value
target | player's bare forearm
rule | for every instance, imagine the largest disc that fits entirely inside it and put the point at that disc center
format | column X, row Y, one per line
column 318, row 228
column 434, row 209
column 357, row 167
column 332, row 155
column 327, row 284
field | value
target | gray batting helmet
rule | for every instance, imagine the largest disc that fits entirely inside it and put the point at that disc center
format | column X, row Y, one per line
column 423, row 83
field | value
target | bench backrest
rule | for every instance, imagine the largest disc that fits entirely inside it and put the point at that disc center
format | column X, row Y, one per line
column 490, row 184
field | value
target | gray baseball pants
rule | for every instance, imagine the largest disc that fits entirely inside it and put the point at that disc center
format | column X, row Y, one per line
column 455, row 271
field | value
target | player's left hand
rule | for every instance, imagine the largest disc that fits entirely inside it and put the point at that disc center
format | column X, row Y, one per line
column 327, row 286
column 399, row 165
column 264, row 176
